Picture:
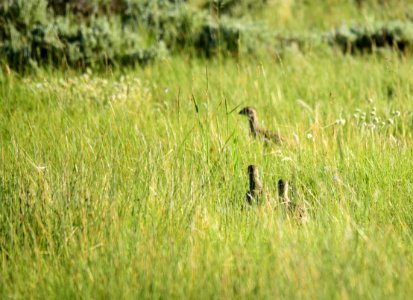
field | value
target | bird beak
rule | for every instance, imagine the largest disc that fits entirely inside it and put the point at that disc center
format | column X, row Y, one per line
column 241, row 112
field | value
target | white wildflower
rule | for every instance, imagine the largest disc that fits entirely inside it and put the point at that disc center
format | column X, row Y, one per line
column 340, row 121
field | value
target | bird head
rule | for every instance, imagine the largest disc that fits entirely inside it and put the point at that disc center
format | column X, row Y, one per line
column 249, row 112
column 252, row 170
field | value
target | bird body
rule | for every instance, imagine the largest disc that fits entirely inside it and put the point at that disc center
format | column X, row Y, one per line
column 258, row 132
column 254, row 193
column 298, row 211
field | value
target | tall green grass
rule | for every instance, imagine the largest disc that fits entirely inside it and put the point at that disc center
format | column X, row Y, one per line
column 132, row 185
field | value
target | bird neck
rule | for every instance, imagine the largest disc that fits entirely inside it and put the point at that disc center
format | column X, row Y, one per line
column 253, row 125
column 255, row 184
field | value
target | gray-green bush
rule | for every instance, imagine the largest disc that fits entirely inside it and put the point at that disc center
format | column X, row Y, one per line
column 362, row 39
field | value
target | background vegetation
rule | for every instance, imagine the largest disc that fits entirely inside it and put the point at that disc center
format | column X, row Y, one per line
column 122, row 181
column 105, row 33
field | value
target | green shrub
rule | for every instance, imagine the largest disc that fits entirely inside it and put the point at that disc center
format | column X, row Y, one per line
column 179, row 26
column 31, row 36
column 85, row 8
column 235, row 8
column 22, row 15
column 396, row 34
column 226, row 37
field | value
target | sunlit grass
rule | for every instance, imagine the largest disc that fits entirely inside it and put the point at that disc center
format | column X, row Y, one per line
column 132, row 185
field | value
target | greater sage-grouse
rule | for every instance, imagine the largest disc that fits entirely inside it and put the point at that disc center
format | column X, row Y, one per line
column 256, row 131
column 299, row 212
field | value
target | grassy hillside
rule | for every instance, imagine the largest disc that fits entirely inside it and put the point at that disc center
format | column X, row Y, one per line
column 131, row 183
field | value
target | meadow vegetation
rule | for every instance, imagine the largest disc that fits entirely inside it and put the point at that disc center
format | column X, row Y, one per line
column 130, row 182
